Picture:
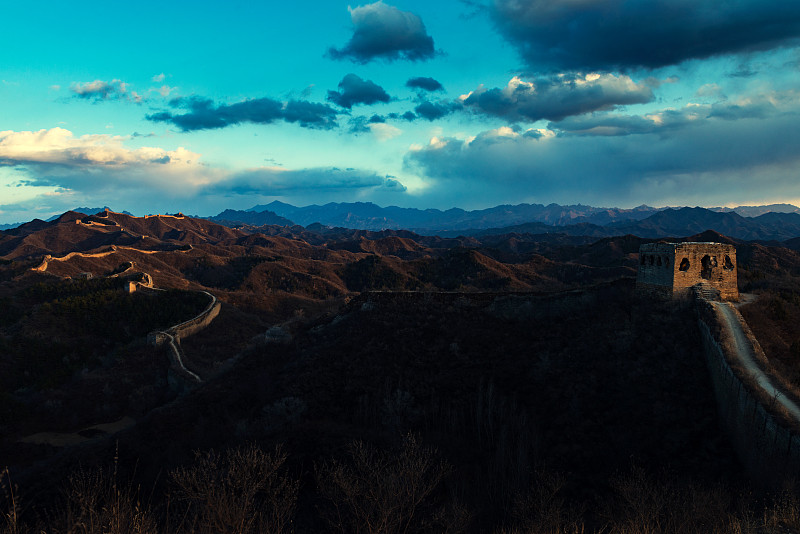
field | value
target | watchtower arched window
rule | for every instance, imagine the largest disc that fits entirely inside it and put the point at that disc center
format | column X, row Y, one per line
column 666, row 261
column 727, row 263
column 658, row 261
column 708, row 263
column 684, row 266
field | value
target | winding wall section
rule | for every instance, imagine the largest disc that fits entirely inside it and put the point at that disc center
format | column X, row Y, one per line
column 180, row 377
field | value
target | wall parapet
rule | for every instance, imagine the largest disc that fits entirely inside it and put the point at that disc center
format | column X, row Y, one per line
column 765, row 436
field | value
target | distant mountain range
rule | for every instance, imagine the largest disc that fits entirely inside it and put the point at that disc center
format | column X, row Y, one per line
column 777, row 222
column 369, row 216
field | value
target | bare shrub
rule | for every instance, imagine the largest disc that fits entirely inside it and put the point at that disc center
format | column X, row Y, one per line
column 646, row 506
column 387, row 492
column 542, row 510
column 96, row 503
column 241, row 490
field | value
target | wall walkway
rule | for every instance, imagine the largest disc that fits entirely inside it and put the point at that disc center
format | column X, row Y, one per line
column 761, row 419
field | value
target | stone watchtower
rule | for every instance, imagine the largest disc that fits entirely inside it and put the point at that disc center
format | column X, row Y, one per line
column 670, row 269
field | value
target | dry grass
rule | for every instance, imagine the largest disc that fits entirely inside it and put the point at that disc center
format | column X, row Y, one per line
column 11, row 523
column 95, row 503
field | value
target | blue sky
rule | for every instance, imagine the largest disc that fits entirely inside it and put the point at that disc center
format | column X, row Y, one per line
column 200, row 106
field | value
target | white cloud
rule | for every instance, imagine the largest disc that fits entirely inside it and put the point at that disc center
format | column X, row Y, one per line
column 102, row 90
column 383, row 131
column 158, row 77
column 56, row 157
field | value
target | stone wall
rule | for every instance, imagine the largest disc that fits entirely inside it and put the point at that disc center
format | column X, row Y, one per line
column 713, row 263
column 672, row 268
column 767, row 446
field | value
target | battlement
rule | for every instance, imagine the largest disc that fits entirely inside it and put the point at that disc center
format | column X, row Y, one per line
column 671, row 269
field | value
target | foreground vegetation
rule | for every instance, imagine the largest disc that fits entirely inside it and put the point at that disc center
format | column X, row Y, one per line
column 249, row 490
column 574, row 413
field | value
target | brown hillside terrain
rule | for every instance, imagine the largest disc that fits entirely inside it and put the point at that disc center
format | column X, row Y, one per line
column 519, row 361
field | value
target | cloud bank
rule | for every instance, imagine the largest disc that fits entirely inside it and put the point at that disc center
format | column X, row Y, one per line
column 626, row 34
column 93, row 163
column 384, row 32
column 694, row 155
column 67, row 167
column 277, row 181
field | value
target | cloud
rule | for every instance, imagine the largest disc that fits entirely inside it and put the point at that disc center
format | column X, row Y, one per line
column 425, row 84
column 383, row 131
column 353, row 90
column 762, row 106
column 164, row 90
column 693, row 155
column 432, row 111
column 384, row 32
column 101, row 90
column 93, row 163
column 277, row 181
column 362, row 124
column 203, row 114
column 158, row 77
column 557, row 97
column 624, row 34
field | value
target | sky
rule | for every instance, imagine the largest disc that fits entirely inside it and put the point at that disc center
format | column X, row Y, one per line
column 160, row 107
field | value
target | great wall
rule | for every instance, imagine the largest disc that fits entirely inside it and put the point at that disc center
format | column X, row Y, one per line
column 757, row 410
column 180, row 378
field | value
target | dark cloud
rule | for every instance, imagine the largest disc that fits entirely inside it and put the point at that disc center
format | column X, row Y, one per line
column 663, row 122
column 203, row 114
column 353, row 90
column 384, row 32
column 617, row 34
column 619, row 125
column 99, row 90
column 309, row 114
column 675, row 156
column 360, row 124
column 426, row 84
column 273, row 181
column 432, row 111
column 558, row 97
